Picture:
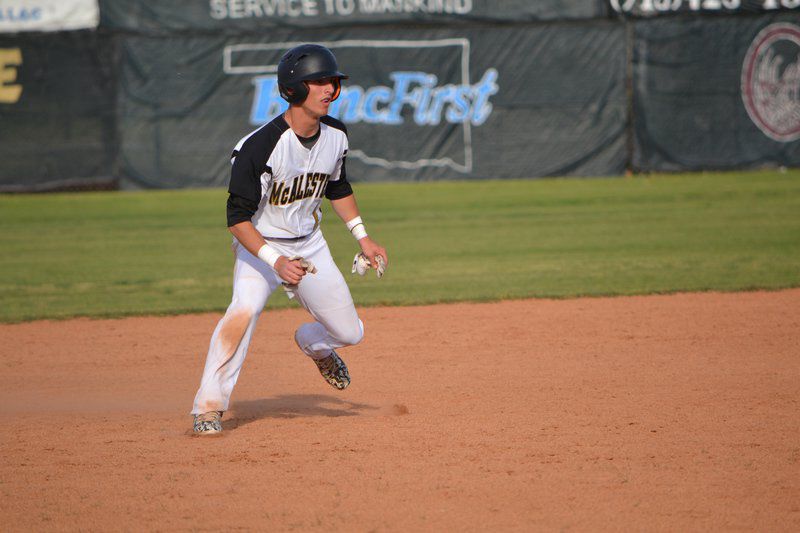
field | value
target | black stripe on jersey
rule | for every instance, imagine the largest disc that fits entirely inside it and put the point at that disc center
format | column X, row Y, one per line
column 340, row 188
column 251, row 160
column 334, row 123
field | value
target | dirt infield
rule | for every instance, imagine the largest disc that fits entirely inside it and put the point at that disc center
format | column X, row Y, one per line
column 648, row 413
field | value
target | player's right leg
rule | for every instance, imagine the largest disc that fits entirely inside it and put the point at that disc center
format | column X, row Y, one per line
column 253, row 282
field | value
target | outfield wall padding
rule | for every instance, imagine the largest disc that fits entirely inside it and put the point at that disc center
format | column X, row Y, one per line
column 469, row 107
column 57, row 111
column 438, row 89
column 718, row 93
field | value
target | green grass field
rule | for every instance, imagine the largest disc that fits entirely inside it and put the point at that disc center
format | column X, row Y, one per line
column 125, row 253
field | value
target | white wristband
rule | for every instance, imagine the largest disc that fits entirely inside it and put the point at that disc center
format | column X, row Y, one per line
column 356, row 227
column 359, row 232
column 268, row 254
column 353, row 222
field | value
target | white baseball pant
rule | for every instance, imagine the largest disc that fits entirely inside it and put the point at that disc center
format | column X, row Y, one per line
column 324, row 295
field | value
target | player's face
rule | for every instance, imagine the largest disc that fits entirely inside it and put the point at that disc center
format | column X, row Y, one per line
column 320, row 95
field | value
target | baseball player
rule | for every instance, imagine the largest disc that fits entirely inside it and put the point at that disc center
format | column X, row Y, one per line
column 279, row 175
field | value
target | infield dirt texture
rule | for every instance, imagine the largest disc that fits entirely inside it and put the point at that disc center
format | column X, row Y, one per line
column 656, row 413
column 670, row 412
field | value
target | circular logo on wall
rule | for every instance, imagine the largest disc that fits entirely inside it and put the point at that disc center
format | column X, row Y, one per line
column 771, row 81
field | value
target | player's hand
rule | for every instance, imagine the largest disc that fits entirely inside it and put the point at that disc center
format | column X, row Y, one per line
column 290, row 271
column 371, row 249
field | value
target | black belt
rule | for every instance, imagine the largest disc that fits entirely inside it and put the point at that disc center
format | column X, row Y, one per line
column 287, row 239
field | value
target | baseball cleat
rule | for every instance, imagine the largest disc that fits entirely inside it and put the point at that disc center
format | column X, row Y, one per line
column 209, row 423
column 334, row 370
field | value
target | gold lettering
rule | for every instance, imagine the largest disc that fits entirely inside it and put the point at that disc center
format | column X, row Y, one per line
column 9, row 58
column 309, row 190
column 318, row 184
column 275, row 194
column 301, row 189
column 285, row 196
column 311, row 186
column 293, row 196
column 323, row 183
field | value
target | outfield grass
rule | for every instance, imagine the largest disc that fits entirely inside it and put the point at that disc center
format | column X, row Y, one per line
column 112, row 254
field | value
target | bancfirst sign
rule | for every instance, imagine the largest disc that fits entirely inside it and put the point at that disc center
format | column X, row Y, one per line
column 382, row 104
column 423, row 87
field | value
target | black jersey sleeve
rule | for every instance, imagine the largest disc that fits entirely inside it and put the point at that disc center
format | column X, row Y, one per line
column 249, row 163
column 246, row 173
column 339, row 188
column 240, row 209
column 334, row 123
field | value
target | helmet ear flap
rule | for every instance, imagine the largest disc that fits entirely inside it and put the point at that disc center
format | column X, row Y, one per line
column 337, row 88
column 294, row 93
column 285, row 93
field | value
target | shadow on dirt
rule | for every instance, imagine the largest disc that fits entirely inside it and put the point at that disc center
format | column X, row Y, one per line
column 293, row 406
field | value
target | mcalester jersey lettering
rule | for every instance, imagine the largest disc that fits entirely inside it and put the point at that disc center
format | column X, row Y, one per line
column 302, row 187
column 271, row 167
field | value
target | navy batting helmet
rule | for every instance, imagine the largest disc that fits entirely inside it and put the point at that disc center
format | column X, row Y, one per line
column 305, row 63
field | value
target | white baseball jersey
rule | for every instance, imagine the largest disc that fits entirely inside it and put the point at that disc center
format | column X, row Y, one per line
column 285, row 180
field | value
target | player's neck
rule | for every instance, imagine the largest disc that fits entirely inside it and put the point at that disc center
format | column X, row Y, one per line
column 301, row 122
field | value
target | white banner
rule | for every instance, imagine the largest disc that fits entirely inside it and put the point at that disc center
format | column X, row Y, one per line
column 48, row 15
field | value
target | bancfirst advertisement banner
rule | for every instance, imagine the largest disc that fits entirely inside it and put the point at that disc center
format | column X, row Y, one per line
column 422, row 104
column 732, row 105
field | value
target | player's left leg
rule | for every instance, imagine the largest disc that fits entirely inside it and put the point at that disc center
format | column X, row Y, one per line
column 336, row 324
